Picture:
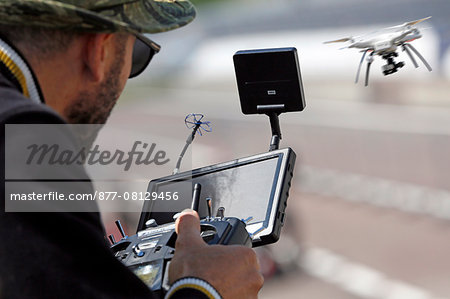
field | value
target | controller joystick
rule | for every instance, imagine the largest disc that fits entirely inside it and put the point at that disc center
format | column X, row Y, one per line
column 148, row 253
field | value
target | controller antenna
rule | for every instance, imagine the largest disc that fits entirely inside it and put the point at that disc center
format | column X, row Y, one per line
column 193, row 121
column 196, row 197
column 122, row 232
column 209, row 206
column 220, row 213
column 112, row 239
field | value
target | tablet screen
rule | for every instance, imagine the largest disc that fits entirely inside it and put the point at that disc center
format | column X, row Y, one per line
column 247, row 187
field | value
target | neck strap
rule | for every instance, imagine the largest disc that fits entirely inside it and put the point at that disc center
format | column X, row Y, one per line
column 20, row 71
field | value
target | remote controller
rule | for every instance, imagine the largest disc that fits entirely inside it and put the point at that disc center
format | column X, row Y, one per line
column 149, row 252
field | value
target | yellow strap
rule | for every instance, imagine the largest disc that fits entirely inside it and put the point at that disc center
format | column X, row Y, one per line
column 16, row 71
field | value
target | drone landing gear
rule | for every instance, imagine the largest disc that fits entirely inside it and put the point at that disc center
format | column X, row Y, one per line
column 407, row 47
column 391, row 67
column 369, row 63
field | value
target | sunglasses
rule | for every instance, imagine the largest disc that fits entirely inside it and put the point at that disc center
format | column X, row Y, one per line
column 143, row 52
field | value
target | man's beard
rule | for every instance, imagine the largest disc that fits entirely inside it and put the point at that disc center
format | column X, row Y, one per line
column 95, row 108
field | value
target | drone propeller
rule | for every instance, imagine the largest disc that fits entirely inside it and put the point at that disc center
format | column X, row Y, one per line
column 408, row 23
column 345, row 39
column 417, row 21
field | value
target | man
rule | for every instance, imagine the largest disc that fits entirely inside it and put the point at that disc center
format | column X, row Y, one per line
column 68, row 61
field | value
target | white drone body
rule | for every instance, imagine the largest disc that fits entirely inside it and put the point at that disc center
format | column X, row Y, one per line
column 385, row 43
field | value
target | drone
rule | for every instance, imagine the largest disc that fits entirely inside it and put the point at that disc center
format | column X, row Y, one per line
column 385, row 43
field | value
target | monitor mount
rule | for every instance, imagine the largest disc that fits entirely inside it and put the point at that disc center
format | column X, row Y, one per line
column 269, row 82
column 273, row 111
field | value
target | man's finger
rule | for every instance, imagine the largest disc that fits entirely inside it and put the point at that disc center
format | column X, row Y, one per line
column 187, row 227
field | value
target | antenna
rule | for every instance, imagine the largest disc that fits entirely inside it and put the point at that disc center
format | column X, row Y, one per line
column 192, row 121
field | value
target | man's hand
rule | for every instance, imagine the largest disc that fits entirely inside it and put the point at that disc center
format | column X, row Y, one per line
column 233, row 270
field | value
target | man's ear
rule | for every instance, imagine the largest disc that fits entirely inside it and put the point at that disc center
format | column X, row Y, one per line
column 97, row 51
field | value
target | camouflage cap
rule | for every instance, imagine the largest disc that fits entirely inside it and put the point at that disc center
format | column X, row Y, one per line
column 135, row 16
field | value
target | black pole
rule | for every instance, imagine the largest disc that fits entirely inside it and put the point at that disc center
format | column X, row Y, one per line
column 276, row 131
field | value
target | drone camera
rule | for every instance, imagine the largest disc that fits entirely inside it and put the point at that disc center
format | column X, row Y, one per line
column 391, row 67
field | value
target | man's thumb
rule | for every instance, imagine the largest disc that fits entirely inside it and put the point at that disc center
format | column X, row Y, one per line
column 187, row 227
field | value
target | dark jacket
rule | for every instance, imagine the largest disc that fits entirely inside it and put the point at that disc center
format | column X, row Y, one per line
column 54, row 255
